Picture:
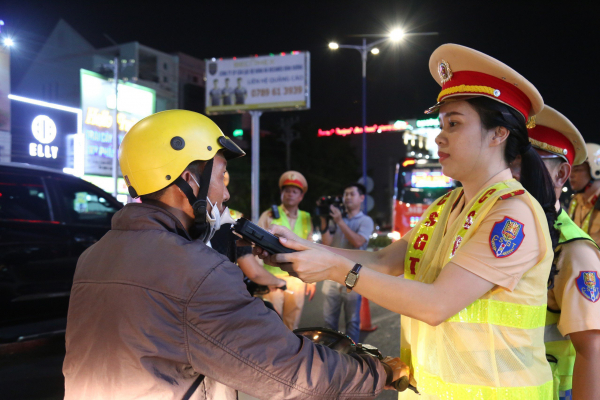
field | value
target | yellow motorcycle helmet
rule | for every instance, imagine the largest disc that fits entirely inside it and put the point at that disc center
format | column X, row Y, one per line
column 157, row 149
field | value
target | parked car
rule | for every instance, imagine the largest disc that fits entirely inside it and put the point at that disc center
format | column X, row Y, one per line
column 47, row 219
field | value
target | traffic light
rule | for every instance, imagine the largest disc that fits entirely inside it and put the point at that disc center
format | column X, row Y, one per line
column 238, row 133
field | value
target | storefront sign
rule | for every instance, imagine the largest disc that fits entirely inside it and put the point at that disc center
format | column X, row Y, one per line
column 98, row 103
column 43, row 133
column 273, row 82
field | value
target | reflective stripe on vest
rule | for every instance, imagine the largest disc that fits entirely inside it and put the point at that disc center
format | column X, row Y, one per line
column 434, row 385
column 491, row 313
column 488, row 311
column 301, row 228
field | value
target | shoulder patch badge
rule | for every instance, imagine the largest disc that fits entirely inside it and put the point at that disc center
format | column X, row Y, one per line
column 588, row 285
column 506, row 237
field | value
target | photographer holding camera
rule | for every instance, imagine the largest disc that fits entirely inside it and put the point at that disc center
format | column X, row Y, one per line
column 352, row 231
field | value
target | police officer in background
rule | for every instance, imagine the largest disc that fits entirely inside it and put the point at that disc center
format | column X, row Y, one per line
column 352, row 231
column 157, row 314
column 572, row 333
column 585, row 205
column 289, row 303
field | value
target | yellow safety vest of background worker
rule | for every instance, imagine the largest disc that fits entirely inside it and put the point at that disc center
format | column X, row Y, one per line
column 289, row 303
column 584, row 208
column 574, row 286
column 473, row 293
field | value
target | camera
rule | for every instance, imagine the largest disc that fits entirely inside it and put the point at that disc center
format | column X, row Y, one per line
column 324, row 203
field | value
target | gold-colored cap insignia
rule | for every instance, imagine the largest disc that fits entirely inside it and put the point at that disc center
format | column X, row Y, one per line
column 531, row 122
column 444, row 71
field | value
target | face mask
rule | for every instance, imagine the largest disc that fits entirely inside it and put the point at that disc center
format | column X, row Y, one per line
column 214, row 219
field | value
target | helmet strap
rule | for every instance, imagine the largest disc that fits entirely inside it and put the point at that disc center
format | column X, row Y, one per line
column 198, row 203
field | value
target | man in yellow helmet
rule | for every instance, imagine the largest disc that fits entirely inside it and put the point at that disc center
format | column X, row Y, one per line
column 289, row 303
column 155, row 313
column 585, row 205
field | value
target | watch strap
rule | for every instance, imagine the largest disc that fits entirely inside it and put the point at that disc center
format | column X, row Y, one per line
column 355, row 271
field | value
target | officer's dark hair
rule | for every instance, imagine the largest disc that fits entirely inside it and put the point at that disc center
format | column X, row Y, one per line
column 359, row 186
column 534, row 175
column 195, row 167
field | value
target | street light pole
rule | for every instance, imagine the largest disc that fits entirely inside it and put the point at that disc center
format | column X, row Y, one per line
column 364, row 49
column 363, row 54
column 115, row 138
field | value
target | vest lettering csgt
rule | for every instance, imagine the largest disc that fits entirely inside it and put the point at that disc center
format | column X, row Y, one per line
column 493, row 349
column 301, row 228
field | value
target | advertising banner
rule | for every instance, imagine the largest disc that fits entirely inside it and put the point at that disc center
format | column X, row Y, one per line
column 274, row 82
column 43, row 134
column 98, row 103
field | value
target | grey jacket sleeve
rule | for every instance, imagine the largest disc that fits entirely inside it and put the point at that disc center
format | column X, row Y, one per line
column 234, row 339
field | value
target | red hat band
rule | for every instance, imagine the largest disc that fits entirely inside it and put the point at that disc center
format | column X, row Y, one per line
column 552, row 141
column 478, row 83
column 293, row 182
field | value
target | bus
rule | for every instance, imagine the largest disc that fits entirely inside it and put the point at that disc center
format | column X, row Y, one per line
column 417, row 184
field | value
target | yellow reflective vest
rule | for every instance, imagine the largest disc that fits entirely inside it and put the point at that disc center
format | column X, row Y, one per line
column 494, row 348
column 301, row 228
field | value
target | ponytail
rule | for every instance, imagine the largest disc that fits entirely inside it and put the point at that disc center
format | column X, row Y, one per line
column 535, row 177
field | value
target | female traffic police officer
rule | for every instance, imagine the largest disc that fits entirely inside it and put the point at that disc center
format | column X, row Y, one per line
column 573, row 290
column 473, row 297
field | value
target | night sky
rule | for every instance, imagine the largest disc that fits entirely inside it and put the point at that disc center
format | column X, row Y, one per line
column 553, row 44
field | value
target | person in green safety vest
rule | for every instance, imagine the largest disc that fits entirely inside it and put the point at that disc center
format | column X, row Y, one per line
column 584, row 208
column 574, row 286
column 289, row 303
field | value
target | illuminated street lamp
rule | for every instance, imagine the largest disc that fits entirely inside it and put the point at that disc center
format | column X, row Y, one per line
column 395, row 35
column 8, row 42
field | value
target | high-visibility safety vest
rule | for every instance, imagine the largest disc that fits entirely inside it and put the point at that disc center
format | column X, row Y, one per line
column 301, row 228
column 559, row 349
column 585, row 224
column 494, row 348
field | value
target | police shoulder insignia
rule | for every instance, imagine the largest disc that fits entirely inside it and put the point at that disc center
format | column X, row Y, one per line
column 506, row 237
column 588, row 285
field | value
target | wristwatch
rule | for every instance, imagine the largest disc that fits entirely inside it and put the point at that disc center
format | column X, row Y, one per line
column 352, row 277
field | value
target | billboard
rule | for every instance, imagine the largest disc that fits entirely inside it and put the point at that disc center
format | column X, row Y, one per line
column 43, row 133
column 97, row 104
column 273, row 82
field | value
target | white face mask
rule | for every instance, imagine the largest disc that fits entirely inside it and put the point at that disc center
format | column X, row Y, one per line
column 215, row 219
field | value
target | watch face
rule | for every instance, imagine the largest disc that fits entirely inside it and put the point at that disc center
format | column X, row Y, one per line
column 351, row 279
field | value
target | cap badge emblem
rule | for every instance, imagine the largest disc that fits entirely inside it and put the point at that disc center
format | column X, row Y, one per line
column 531, row 122
column 444, row 71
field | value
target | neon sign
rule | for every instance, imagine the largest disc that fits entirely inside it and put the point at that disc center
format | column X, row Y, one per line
column 104, row 119
column 368, row 129
column 44, row 130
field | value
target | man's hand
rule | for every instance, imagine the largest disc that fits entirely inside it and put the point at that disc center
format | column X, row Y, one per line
column 336, row 214
column 280, row 284
column 398, row 368
column 311, row 289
